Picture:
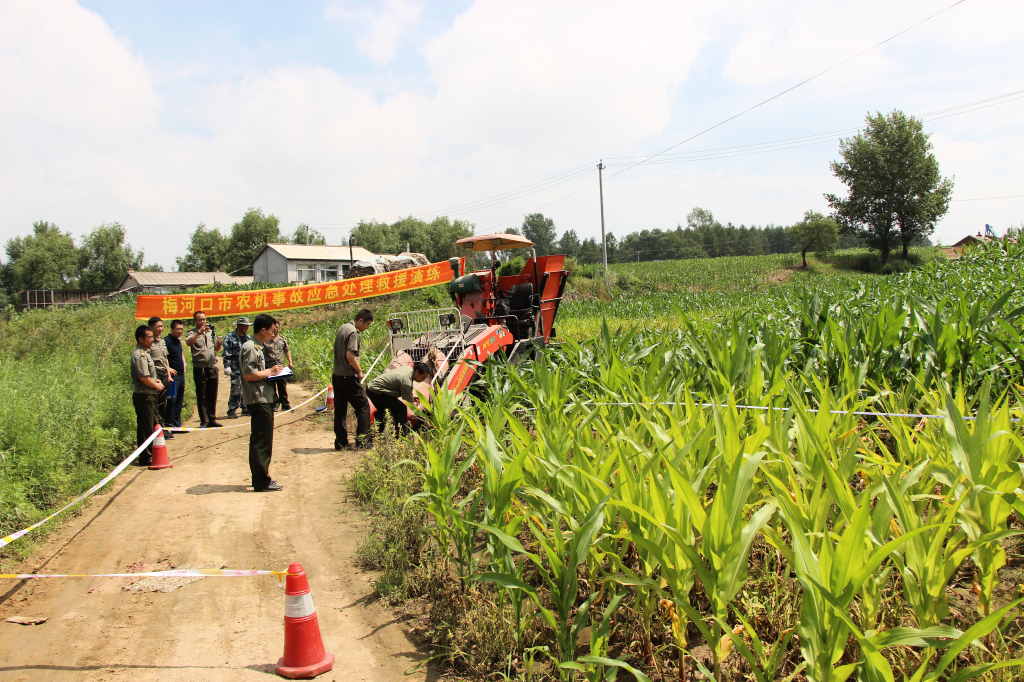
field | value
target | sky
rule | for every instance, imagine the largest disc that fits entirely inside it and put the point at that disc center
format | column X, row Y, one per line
column 165, row 115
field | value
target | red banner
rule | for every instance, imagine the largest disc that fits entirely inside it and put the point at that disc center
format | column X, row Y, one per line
column 254, row 301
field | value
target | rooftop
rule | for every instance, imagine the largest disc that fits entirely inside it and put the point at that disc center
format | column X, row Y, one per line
column 314, row 252
column 171, row 279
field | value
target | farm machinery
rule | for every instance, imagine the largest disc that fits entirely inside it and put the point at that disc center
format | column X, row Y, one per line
column 509, row 315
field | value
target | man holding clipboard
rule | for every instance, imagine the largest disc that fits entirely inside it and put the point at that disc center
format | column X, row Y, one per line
column 258, row 393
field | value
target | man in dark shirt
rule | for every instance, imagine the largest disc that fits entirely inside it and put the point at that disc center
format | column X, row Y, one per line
column 176, row 359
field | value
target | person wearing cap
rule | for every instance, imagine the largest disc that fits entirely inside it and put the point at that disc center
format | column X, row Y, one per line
column 233, row 343
column 392, row 392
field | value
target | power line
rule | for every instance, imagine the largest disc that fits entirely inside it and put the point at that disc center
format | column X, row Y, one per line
column 791, row 88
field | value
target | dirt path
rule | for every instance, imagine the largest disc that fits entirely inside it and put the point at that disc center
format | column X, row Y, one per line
column 200, row 514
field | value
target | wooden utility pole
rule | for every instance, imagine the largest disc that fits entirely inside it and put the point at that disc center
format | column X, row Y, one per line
column 600, row 190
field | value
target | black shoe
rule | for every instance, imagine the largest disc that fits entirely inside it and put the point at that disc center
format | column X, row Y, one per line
column 168, row 435
column 246, row 413
column 142, row 462
column 272, row 487
column 202, row 425
column 341, row 446
column 231, row 414
column 214, row 425
column 285, row 408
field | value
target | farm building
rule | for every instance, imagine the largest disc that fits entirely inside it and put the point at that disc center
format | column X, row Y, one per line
column 289, row 263
column 168, row 282
column 971, row 240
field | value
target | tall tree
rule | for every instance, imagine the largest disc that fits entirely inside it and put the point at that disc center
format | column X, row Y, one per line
column 304, row 234
column 569, row 244
column 815, row 232
column 895, row 191
column 45, row 259
column 540, row 231
column 105, row 258
column 248, row 237
column 206, row 252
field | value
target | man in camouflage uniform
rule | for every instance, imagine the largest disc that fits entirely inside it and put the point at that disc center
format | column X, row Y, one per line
column 233, row 343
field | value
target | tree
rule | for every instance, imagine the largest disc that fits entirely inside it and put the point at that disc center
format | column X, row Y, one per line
column 541, row 231
column 436, row 239
column 304, row 234
column 895, row 190
column 105, row 259
column 45, row 259
column 248, row 237
column 569, row 244
column 815, row 232
column 206, row 252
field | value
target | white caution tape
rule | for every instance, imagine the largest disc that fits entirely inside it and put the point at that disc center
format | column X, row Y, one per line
column 190, row 429
column 764, row 408
column 175, row 573
column 105, row 480
column 298, row 605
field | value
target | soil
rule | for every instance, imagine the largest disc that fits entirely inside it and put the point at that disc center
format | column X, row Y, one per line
column 202, row 513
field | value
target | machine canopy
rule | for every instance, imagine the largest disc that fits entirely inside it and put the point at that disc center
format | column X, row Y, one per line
column 499, row 241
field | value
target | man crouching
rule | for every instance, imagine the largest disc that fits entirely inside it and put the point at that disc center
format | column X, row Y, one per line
column 258, row 395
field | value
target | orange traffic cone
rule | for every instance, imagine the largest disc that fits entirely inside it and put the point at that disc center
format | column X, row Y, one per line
column 304, row 653
column 160, row 459
column 330, row 397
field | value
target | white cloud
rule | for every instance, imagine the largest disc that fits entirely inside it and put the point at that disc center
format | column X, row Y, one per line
column 517, row 92
column 380, row 27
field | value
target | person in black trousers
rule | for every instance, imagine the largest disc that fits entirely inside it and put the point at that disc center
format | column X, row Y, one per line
column 145, row 389
column 347, row 380
column 176, row 359
column 259, row 395
column 205, row 345
column 392, row 393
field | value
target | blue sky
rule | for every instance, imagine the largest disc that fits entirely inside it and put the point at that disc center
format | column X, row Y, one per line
column 165, row 115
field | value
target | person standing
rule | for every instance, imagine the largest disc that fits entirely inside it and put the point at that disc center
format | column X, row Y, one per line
column 259, row 396
column 233, row 343
column 176, row 359
column 145, row 389
column 347, row 378
column 204, row 344
column 164, row 372
column 392, row 392
column 278, row 352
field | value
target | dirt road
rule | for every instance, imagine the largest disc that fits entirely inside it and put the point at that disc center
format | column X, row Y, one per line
column 201, row 514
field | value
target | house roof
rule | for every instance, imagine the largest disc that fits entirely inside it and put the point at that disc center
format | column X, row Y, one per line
column 973, row 239
column 182, row 279
column 314, row 252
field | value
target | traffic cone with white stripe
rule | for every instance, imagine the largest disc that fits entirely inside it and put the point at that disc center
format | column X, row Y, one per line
column 160, row 459
column 330, row 397
column 304, row 653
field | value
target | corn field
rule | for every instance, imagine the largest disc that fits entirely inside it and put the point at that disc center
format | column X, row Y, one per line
column 624, row 510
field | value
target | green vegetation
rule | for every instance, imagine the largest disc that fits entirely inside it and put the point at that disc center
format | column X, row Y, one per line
column 570, row 537
column 67, row 415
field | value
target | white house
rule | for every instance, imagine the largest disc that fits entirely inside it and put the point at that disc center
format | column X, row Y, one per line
column 289, row 263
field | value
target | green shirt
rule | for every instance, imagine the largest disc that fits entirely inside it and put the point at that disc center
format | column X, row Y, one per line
column 276, row 351
column 158, row 351
column 142, row 366
column 203, row 354
column 347, row 339
column 252, row 361
column 394, row 382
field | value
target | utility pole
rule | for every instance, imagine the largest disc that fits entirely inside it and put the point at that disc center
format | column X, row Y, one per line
column 600, row 189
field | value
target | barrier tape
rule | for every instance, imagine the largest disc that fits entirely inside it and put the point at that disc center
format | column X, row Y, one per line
column 105, row 480
column 190, row 429
column 767, row 408
column 117, row 470
column 174, row 573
